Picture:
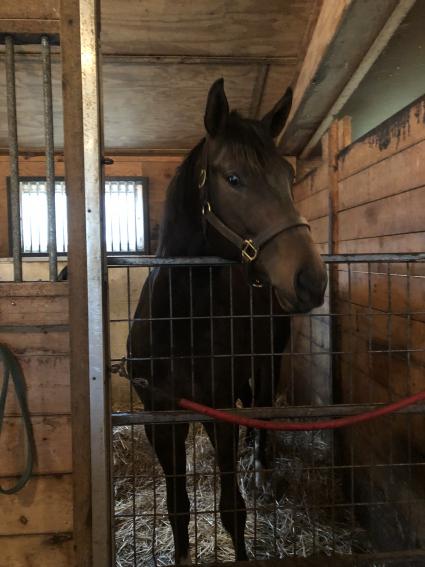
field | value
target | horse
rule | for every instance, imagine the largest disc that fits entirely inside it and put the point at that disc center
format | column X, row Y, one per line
column 198, row 332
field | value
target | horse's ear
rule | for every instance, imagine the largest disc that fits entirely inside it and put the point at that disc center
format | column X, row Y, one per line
column 276, row 119
column 217, row 109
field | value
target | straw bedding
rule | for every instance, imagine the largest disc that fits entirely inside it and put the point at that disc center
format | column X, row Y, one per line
column 299, row 510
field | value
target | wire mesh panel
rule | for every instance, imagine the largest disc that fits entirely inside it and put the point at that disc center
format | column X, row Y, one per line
column 355, row 494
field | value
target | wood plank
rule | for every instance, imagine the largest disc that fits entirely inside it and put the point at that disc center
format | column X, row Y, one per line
column 319, row 230
column 28, row 30
column 315, row 206
column 78, row 316
column 388, row 292
column 21, row 310
column 316, row 180
column 37, row 550
column 223, row 28
column 43, row 506
column 384, row 178
column 53, row 445
column 396, row 214
column 42, row 9
column 384, row 331
column 399, row 132
column 343, row 34
column 42, row 340
column 48, row 386
column 34, row 289
column 402, row 243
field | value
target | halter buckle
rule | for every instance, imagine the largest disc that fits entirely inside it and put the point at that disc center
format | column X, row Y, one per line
column 202, row 178
column 249, row 251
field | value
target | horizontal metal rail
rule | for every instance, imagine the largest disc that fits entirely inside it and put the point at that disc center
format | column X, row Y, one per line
column 153, row 261
column 289, row 412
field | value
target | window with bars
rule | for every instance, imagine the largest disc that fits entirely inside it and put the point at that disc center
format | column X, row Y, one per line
column 126, row 226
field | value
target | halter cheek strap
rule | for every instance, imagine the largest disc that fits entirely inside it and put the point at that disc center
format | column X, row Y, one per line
column 249, row 247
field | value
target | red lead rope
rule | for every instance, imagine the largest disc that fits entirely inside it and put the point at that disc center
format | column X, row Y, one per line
column 306, row 425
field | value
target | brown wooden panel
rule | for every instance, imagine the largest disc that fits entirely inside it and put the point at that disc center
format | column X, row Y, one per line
column 225, row 27
column 315, row 206
column 399, row 132
column 33, row 27
column 162, row 106
column 396, row 174
column 35, row 341
column 412, row 242
column 319, row 230
column 42, row 9
column 34, row 289
column 279, row 78
column 21, row 310
column 37, row 550
column 44, row 506
column 389, row 292
column 384, row 330
column 393, row 215
column 53, row 445
column 146, row 106
column 316, row 180
column 48, row 385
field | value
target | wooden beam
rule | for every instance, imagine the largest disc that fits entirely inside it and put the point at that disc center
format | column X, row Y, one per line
column 344, row 33
column 77, row 263
column 28, row 30
column 392, row 24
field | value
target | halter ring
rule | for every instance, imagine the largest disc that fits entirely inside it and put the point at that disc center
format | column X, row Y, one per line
column 202, row 178
column 249, row 251
column 206, row 208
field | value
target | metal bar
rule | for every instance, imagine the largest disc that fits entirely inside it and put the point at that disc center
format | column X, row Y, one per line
column 288, row 412
column 153, row 261
column 92, row 489
column 13, row 155
column 50, row 159
column 96, row 293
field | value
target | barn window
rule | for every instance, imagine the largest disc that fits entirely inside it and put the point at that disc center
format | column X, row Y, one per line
column 125, row 216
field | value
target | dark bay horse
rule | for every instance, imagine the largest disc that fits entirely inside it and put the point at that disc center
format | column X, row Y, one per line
column 199, row 332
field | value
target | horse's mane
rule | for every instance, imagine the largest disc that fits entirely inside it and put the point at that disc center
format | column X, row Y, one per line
column 181, row 228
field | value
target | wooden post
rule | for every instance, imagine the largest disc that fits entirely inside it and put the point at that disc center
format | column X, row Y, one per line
column 337, row 138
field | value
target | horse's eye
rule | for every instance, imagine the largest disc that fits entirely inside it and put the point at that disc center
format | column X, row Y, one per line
column 233, row 180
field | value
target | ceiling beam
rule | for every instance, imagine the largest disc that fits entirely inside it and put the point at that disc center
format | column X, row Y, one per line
column 345, row 36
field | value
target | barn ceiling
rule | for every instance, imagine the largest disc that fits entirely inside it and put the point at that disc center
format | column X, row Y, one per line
column 161, row 56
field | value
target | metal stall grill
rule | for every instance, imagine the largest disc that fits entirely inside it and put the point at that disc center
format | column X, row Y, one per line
column 15, row 64
column 356, row 494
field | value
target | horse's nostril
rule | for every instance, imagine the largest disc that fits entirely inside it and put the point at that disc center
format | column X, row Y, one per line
column 308, row 287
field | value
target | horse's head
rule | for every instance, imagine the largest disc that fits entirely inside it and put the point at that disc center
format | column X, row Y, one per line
column 246, row 189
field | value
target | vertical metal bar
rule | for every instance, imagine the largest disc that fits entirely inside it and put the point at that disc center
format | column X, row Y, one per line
column 13, row 156
column 50, row 159
column 96, row 297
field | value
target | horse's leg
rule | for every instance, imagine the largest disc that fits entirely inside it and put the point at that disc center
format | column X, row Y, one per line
column 245, row 396
column 225, row 439
column 168, row 442
column 264, row 398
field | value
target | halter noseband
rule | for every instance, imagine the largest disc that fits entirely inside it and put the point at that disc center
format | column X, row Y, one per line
column 249, row 247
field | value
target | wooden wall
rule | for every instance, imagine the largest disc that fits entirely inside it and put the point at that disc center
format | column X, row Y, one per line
column 36, row 523
column 158, row 169
column 375, row 191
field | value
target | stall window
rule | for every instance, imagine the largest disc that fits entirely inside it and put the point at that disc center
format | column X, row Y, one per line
column 126, row 226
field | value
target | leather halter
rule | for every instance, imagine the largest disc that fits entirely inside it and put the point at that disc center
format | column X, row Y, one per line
column 249, row 247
